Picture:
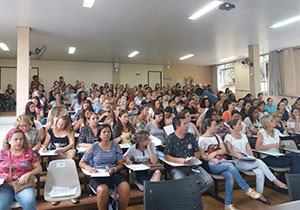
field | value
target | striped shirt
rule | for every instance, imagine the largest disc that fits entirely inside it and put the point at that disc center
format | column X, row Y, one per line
column 101, row 158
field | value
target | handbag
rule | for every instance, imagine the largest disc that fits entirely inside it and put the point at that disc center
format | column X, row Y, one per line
column 15, row 184
column 213, row 149
column 154, row 167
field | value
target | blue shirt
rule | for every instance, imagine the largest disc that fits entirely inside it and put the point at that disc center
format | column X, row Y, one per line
column 101, row 158
column 270, row 109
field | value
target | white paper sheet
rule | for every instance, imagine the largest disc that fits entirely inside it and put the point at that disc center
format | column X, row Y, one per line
column 57, row 191
column 169, row 129
column 137, row 167
column 275, row 154
column 1, row 181
column 100, row 173
column 172, row 163
column 157, row 142
column 192, row 161
column 124, row 146
column 76, row 135
column 47, row 152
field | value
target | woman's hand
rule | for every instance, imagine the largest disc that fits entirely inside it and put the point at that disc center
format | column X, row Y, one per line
column 111, row 171
column 92, row 170
column 60, row 150
column 24, row 178
column 215, row 161
column 128, row 161
column 239, row 156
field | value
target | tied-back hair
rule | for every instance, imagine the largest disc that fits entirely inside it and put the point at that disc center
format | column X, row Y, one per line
column 6, row 145
column 206, row 123
column 233, row 122
column 141, row 136
column 68, row 126
column 100, row 128
column 291, row 113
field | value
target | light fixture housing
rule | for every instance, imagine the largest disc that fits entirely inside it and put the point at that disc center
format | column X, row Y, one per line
column 88, row 3
column 134, row 53
column 4, row 47
column 72, row 50
column 228, row 59
column 186, row 56
column 205, row 9
column 286, row 22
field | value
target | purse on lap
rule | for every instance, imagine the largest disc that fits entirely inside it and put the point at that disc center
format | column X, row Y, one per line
column 15, row 184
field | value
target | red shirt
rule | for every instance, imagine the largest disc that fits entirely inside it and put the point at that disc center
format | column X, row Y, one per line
column 21, row 164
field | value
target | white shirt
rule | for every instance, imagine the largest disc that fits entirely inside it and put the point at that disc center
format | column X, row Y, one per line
column 291, row 125
column 267, row 140
column 205, row 142
column 256, row 126
column 238, row 145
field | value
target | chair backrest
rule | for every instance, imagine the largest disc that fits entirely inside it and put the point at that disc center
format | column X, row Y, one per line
column 293, row 183
column 62, row 173
column 172, row 195
column 289, row 144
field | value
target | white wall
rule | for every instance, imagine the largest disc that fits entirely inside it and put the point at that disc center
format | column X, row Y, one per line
column 89, row 72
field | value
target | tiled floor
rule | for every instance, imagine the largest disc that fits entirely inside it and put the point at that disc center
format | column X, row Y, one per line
column 6, row 123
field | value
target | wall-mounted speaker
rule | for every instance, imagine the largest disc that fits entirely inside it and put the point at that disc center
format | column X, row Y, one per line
column 116, row 66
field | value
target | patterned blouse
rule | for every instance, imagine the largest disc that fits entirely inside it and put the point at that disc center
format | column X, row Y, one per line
column 21, row 164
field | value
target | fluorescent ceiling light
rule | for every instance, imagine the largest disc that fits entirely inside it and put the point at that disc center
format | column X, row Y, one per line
column 228, row 59
column 205, row 9
column 4, row 47
column 186, row 57
column 72, row 50
column 286, row 22
column 88, row 3
column 134, row 53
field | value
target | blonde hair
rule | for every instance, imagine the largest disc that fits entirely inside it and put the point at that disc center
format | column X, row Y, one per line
column 276, row 113
column 22, row 119
column 65, row 118
column 6, row 140
column 265, row 121
column 54, row 114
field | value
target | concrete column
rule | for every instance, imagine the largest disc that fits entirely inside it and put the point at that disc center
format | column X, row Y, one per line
column 254, row 71
column 23, row 62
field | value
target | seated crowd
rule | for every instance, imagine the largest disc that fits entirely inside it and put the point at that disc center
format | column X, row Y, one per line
column 206, row 126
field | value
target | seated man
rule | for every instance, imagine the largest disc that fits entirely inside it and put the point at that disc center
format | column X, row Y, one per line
column 179, row 146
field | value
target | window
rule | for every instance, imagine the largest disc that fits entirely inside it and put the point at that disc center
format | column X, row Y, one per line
column 264, row 62
column 226, row 76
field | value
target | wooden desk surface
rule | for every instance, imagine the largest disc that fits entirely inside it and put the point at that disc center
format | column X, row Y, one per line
column 293, row 205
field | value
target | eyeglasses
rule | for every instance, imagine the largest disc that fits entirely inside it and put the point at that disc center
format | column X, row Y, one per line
column 23, row 126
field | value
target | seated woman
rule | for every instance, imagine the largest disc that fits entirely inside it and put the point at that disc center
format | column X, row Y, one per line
column 25, row 124
column 252, row 121
column 144, row 150
column 77, row 102
column 293, row 124
column 106, row 154
column 262, row 112
column 24, row 163
column 85, row 105
column 212, row 150
column 268, row 140
column 222, row 128
column 270, row 107
column 156, row 126
column 192, row 128
column 279, row 124
column 39, row 109
column 61, row 138
column 155, row 104
column 132, row 111
column 123, row 129
column 237, row 115
column 88, row 133
column 105, row 111
column 143, row 117
column 238, row 146
column 168, row 116
column 83, row 119
column 228, row 107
